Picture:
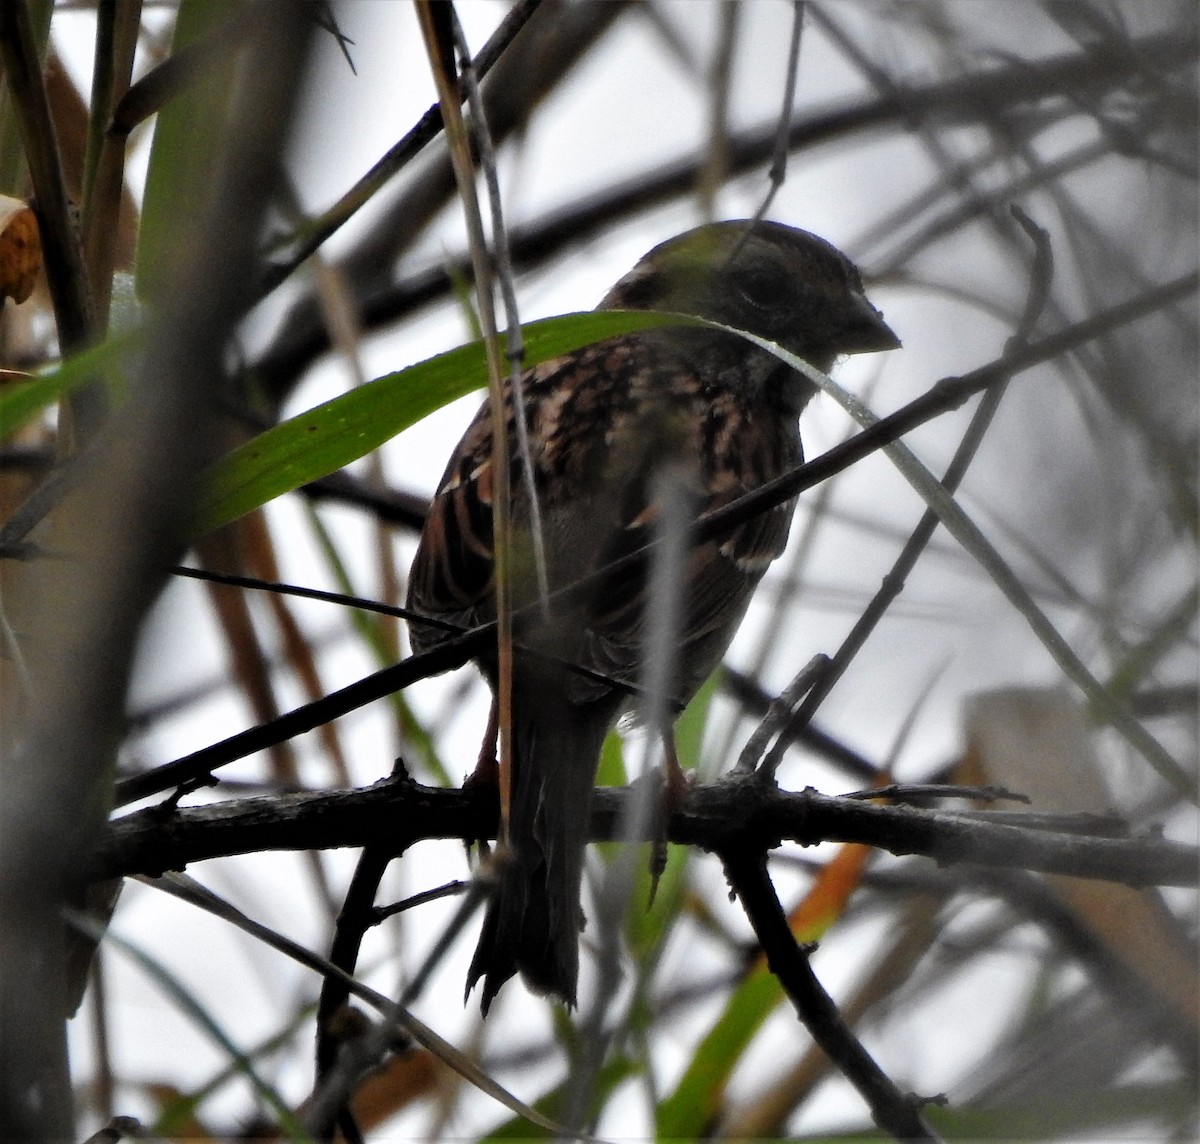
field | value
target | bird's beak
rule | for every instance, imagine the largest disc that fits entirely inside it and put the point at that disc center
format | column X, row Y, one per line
column 867, row 332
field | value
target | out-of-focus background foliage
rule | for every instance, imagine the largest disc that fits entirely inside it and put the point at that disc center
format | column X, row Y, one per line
column 1043, row 1009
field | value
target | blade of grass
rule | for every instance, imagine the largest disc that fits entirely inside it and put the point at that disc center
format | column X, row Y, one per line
column 322, row 440
column 184, row 154
column 420, row 741
column 21, row 402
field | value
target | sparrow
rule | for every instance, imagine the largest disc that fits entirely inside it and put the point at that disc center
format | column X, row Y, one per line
column 602, row 422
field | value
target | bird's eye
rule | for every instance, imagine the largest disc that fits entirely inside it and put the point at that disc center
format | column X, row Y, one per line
column 763, row 289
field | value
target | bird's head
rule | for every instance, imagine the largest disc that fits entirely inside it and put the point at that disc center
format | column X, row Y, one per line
column 776, row 281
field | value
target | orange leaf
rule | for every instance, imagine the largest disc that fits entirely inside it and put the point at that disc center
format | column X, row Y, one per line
column 826, row 899
column 20, row 250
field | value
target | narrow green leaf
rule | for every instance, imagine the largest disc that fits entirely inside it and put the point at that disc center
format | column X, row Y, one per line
column 23, row 400
column 611, row 771
column 612, row 1073
column 369, row 627
column 320, row 441
column 690, row 1109
column 693, row 722
column 188, row 135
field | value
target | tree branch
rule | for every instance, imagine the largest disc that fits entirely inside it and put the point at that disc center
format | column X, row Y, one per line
column 891, row 1109
column 738, row 811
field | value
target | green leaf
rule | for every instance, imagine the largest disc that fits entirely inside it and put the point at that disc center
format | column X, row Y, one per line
column 611, row 771
column 612, row 1073
column 322, row 440
column 693, row 721
column 698, row 1097
column 21, row 401
column 188, row 135
column 369, row 627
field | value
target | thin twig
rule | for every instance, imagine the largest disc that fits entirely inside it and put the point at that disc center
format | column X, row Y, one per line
column 449, row 890
column 716, row 161
column 328, row 1104
column 754, row 700
column 436, row 30
column 910, row 792
column 355, row 919
column 892, row 1110
column 780, row 711
column 777, row 174
column 192, row 892
column 104, row 180
column 514, row 349
column 427, row 128
column 255, row 583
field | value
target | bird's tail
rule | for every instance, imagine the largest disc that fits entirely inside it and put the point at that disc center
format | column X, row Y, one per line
column 532, row 924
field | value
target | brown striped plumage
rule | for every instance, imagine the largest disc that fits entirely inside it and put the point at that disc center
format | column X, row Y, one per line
column 601, row 422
